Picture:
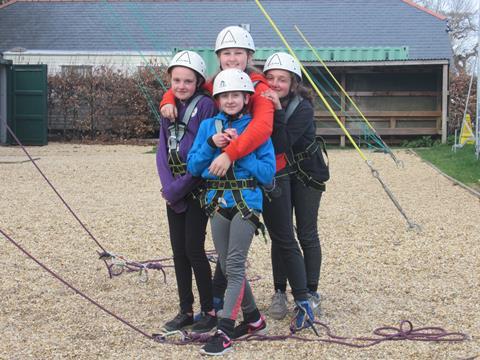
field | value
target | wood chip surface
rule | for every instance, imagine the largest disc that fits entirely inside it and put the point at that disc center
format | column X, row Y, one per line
column 375, row 271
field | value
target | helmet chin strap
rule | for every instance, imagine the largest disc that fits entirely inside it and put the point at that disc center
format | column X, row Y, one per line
column 237, row 115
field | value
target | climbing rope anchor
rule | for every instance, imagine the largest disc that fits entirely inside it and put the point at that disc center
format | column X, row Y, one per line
column 411, row 225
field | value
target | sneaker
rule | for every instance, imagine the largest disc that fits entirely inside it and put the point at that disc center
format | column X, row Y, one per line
column 218, row 344
column 304, row 317
column 179, row 322
column 205, row 323
column 244, row 329
column 314, row 299
column 278, row 309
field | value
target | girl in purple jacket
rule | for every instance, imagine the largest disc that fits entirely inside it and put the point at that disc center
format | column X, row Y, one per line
column 186, row 219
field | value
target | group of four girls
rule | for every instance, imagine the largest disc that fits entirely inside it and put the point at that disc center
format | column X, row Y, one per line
column 215, row 165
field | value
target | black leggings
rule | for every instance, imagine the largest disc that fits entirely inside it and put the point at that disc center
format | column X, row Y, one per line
column 286, row 253
column 187, row 236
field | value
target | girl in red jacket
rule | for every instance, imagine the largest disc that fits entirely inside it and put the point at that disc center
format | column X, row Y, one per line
column 235, row 48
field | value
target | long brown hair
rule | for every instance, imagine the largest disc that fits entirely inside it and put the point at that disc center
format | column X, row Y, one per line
column 297, row 88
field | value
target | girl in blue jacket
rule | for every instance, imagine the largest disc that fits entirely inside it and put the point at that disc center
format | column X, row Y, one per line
column 234, row 203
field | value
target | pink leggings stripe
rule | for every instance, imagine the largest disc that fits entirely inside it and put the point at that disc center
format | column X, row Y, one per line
column 238, row 303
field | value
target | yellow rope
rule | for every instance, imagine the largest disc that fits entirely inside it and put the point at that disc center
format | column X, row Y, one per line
column 334, row 79
column 387, row 148
column 325, row 102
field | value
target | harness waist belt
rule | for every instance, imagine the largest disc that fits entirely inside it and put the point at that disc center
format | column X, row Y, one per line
column 231, row 184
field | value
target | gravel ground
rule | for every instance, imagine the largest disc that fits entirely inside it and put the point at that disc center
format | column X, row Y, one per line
column 375, row 271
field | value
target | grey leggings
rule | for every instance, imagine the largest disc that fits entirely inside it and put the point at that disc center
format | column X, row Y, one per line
column 232, row 239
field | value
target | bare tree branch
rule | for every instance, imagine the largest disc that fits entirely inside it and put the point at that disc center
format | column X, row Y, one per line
column 463, row 26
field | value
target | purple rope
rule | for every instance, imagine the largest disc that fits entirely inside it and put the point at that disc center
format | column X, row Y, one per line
column 17, row 162
column 405, row 331
column 86, row 297
column 53, row 188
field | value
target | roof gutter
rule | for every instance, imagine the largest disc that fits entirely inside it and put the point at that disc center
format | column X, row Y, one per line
column 372, row 63
column 77, row 52
column 428, row 11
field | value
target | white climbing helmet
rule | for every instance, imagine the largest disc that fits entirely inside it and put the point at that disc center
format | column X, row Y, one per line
column 283, row 61
column 232, row 80
column 234, row 37
column 191, row 60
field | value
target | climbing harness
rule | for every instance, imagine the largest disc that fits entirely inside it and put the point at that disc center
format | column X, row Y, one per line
column 176, row 132
column 230, row 183
column 294, row 160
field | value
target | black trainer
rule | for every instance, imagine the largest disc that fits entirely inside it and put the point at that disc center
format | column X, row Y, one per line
column 205, row 323
column 179, row 322
column 245, row 328
column 218, row 344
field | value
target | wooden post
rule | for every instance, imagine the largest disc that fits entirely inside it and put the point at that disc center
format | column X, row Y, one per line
column 444, row 103
column 342, row 106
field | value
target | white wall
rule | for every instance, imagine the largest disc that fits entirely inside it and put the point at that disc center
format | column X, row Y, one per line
column 119, row 60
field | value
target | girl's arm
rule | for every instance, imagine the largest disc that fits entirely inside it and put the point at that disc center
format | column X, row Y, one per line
column 279, row 134
column 163, row 169
column 169, row 98
column 261, row 163
column 202, row 153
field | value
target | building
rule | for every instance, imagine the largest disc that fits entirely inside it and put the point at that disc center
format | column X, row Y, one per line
column 392, row 56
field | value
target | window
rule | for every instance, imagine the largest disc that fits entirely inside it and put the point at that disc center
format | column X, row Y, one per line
column 82, row 70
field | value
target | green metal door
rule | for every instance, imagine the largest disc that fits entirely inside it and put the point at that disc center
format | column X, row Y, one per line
column 27, row 103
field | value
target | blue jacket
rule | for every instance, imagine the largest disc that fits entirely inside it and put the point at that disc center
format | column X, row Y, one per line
column 260, row 164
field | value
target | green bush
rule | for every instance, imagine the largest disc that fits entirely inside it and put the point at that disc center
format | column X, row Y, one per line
column 422, row 142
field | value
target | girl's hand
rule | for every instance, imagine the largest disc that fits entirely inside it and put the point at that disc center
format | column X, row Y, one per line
column 164, row 198
column 273, row 97
column 220, row 165
column 232, row 133
column 169, row 112
column 220, row 140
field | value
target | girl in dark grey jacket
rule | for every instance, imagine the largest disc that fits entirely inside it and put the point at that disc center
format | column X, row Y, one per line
column 300, row 184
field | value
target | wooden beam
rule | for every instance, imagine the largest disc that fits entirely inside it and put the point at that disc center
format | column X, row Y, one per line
column 376, row 63
column 343, row 105
column 380, row 131
column 385, row 114
column 444, row 103
column 395, row 93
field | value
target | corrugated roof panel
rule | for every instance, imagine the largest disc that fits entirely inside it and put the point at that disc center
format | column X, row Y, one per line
column 307, row 55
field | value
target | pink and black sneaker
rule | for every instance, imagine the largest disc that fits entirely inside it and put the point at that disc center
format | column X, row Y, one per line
column 218, row 344
column 245, row 328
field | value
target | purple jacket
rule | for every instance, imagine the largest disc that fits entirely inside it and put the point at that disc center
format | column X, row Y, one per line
column 175, row 189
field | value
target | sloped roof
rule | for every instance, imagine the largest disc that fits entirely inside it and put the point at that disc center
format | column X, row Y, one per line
column 164, row 25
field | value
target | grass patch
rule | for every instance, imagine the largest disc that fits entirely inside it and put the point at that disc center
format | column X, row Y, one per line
column 462, row 165
column 153, row 151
